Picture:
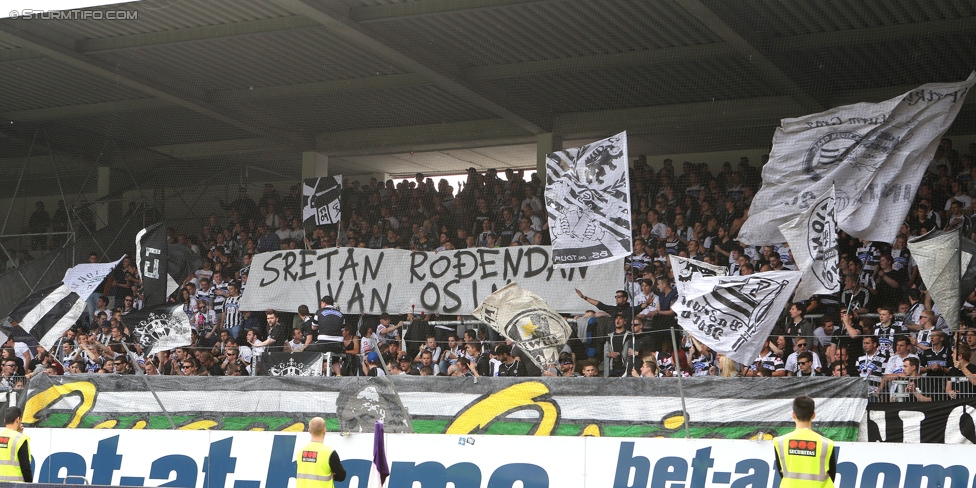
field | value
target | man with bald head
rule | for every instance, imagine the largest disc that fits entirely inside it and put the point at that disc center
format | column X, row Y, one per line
column 318, row 464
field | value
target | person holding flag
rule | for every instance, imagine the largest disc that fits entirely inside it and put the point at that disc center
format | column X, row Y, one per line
column 318, row 464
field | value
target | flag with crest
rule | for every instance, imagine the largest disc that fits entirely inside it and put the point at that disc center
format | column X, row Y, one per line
column 588, row 201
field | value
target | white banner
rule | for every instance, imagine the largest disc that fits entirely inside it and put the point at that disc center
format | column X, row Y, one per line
column 588, row 200
column 212, row 459
column 733, row 315
column 398, row 281
column 813, row 240
column 874, row 153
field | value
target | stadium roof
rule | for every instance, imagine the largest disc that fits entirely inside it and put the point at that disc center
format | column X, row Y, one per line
column 440, row 85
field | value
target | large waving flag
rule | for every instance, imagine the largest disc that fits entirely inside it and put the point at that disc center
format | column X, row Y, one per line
column 379, row 471
column 160, row 328
column 945, row 262
column 733, row 315
column 873, row 153
column 526, row 319
column 813, row 241
column 588, row 200
column 183, row 262
column 48, row 312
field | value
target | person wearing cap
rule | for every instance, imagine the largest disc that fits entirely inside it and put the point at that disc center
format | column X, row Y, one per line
column 510, row 365
column 101, row 317
column 390, row 333
column 567, row 367
column 327, row 325
column 804, row 458
column 371, row 366
column 407, row 366
column 104, row 335
column 620, row 341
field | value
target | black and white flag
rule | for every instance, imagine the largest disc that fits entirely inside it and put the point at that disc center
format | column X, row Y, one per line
column 812, row 237
column 875, row 154
column 183, row 263
column 48, row 312
column 152, row 260
column 160, row 328
column 526, row 319
column 291, row 364
column 321, row 199
column 686, row 270
column 733, row 315
column 588, row 200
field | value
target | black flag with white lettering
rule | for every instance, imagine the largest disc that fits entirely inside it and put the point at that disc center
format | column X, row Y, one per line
column 321, row 200
column 152, row 260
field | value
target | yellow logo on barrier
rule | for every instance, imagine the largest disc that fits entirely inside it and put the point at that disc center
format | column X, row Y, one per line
column 478, row 416
column 37, row 403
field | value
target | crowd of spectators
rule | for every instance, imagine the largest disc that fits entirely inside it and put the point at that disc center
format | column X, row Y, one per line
column 690, row 212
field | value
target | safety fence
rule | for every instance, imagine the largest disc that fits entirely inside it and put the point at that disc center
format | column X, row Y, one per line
column 616, row 407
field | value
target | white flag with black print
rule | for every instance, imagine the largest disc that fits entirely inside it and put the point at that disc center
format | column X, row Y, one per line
column 686, row 270
column 875, row 154
column 588, row 201
column 47, row 313
column 322, row 200
column 813, row 241
column 946, row 265
column 733, row 315
column 526, row 319
column 161, row 328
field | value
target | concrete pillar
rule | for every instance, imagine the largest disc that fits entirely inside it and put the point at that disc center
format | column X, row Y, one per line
column 314, row 164
column 545, row 144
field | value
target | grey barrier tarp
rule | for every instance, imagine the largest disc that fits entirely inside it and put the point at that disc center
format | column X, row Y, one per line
column 628, row 407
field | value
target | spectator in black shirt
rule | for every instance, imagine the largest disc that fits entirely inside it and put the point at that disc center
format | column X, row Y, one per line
column 962, row 376
column 622, row 304
column 479, row 361
column 891, row 283
column 510, row 365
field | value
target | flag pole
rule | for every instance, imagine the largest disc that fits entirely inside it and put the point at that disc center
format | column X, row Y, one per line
column 151, row 390
column 955, row 327
column 677, row 369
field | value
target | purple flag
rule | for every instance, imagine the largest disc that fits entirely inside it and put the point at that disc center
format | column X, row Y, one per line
column 380, row 470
